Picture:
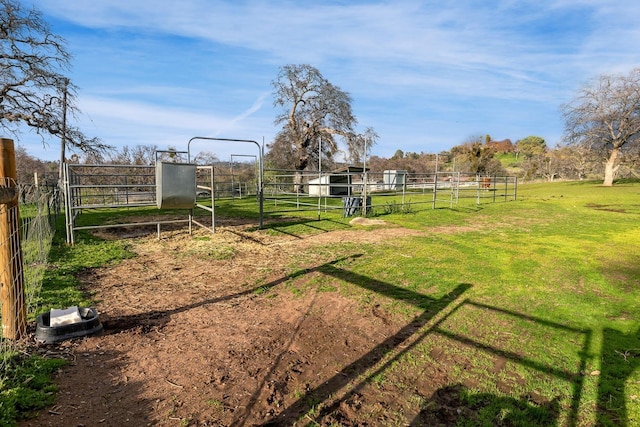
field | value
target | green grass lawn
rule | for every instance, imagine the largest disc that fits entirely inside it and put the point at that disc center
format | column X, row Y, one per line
column 533, row 303
column 551, row 286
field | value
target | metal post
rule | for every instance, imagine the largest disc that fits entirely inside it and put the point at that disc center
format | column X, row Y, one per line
column 232, row 183
column 364, row 179
column 67, row 196
column 404, row 188
column 213, row 202
column 435, row 190
column 495, row 188
column 320, row 177
column 63, row 137
column 506, row 187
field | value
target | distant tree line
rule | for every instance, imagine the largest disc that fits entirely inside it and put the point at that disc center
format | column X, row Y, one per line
column 528, row 158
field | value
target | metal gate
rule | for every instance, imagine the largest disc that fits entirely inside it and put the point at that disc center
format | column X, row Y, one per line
column 109, row 186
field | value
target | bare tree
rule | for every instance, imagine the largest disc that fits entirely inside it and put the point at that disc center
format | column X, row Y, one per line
column 314, row 113
column 206, row 158
column 577, row 161
column 630, row 163
column 138, row 155
column 359, row 146
column 34, row 90
column 27, row 165
column 605, row 116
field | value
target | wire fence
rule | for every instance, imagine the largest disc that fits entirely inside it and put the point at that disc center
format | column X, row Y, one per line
column 27, row 246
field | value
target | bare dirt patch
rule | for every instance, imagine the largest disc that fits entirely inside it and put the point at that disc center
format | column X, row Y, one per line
column 202, row 330
column 244, row 328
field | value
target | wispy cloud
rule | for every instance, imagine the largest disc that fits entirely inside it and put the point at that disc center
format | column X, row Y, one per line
column 251, row 110
column 136, row 123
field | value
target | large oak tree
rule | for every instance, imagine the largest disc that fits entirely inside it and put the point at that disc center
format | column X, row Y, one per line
column 605, row 116
column 315, row 116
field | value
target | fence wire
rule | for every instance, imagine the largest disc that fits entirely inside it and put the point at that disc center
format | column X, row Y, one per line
column 29, row 243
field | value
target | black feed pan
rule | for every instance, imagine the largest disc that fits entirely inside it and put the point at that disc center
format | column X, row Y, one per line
column 90, row 324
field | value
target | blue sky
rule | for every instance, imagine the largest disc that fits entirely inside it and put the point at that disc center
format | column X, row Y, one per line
column 426, row 75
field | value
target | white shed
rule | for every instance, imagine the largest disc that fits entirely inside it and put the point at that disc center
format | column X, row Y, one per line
column 394, row 179
column 335, row 183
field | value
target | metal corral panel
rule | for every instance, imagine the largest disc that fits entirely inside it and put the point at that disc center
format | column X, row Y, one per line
column 175, row 185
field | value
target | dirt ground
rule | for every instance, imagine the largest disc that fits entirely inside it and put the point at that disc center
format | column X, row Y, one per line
column 203, row 330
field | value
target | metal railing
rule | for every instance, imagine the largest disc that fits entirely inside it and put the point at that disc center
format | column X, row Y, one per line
column 289, row 191
column 110, row 186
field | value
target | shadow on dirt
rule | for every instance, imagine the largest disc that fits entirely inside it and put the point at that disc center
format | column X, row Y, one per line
column 159, row 318
column 357, row 374
column 449, row 404
column 363, row 365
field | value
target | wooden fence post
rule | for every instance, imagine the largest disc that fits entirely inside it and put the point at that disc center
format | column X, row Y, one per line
column 14, row 318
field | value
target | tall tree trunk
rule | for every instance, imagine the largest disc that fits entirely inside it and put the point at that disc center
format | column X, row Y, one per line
column 298, row 185
column 301, row 164
column 610, row 168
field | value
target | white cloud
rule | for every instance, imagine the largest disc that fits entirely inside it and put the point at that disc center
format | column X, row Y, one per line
column 470, row 38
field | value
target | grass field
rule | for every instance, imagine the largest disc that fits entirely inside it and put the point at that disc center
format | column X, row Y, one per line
column 551, row 286
column 554, row 285
column 533, row 303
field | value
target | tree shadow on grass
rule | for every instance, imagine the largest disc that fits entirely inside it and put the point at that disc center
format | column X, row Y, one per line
column 529, row 409
column 313, row 226
column 574, row 378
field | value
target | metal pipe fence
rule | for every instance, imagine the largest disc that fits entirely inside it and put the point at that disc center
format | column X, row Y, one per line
column 381, row 192
column 280, row 191
column 125, row 186
column 112, row 186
